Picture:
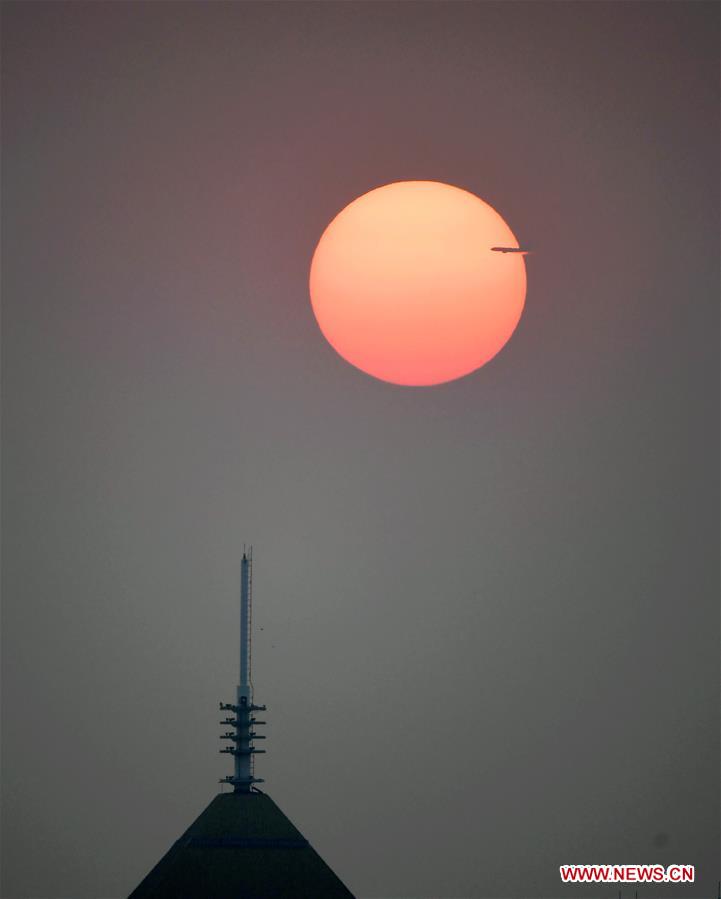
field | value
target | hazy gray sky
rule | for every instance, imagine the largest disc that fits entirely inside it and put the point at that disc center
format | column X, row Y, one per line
column 489, row 609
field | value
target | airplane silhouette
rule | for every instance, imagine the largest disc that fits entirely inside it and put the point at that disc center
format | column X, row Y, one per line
column 511, row 250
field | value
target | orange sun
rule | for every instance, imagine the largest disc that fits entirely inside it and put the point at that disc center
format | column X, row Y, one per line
column 405, row 286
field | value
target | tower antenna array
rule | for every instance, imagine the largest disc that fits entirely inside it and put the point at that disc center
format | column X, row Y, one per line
column 242, row 738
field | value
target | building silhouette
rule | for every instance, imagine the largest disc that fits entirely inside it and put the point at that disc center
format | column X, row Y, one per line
column 242, row 846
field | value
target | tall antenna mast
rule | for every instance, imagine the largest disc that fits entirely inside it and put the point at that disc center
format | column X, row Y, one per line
column 244, row 723
column 246, row 565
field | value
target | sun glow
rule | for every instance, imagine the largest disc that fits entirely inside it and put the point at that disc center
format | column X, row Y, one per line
column 404, row 284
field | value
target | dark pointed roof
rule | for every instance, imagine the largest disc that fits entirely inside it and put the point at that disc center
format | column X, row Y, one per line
column 241, row 847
